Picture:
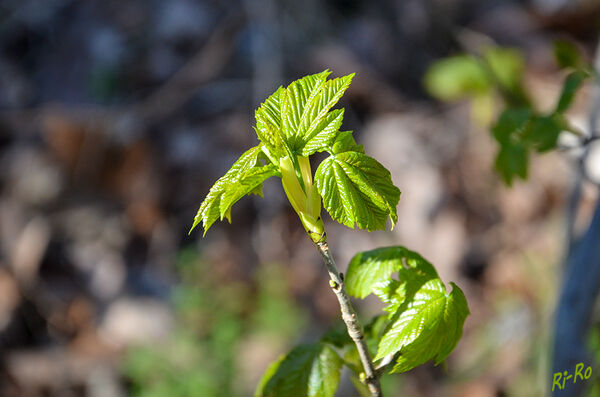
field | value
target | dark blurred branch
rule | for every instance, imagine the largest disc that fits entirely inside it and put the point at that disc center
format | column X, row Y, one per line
column 575, row 307
column 581, row 281
column 349, row 316
column 265, row 44
column 204, row 67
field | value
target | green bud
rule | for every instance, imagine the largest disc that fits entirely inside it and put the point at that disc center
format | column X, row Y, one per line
column 306, row 202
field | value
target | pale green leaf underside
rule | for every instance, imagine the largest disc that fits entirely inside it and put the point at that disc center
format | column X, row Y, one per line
column 306, row 371
column 245, row 177
column 357, row 189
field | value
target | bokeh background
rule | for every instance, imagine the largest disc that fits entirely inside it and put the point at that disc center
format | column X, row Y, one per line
column 117, row 116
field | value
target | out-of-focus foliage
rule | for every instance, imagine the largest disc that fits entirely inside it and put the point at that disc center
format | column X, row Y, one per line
column 203, row 352
column 498, row 72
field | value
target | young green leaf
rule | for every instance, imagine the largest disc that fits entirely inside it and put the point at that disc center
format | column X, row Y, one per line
column 268, row 125
column 457, row 77
column 344, row 142
column 512, row 161
column 357, row 189
column 369, row 268
column 426, row 322
column 566, row 54
column 305, row 104
column 324, row 134
column 245, row 177
column 543, row 132
column 307, row 371
column 269, row 112
column 512, row 131
column 572, row 84
column 298, row 106
column 427, row 329
column 507, row 67
column 512, row 121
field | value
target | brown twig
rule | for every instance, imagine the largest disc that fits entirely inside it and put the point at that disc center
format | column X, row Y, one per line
column 349, row 316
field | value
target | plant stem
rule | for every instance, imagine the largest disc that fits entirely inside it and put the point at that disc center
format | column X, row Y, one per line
column 351, row 319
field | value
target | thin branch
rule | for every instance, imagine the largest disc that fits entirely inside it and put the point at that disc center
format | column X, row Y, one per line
column 351, row 319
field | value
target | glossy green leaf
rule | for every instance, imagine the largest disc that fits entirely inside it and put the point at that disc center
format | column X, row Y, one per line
column 324, row 135
column 428, row 328
column 297, row 106
column 330, row 94
column 425, row 322
column 369, row 268
column 269, row 112
column 269, row 124
column 245, row 177
column 305, row 104
column 268, row 375
column 356, row 189
column 307, row 371
column 344, row 142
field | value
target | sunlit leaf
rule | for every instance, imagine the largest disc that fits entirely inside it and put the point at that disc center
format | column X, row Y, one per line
column 425, row 321
column 369, row 268
column 245, row 177
column 306, row 371
column 427, row 328
column 344, row 142
column 324, row 134
column 356, row 189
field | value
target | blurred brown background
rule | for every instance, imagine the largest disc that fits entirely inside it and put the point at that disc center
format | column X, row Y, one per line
column 117, row 116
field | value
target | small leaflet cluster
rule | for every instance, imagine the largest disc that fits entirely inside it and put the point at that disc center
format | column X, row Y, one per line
column 299, row 121
column 424, row 322
column 498, row 73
